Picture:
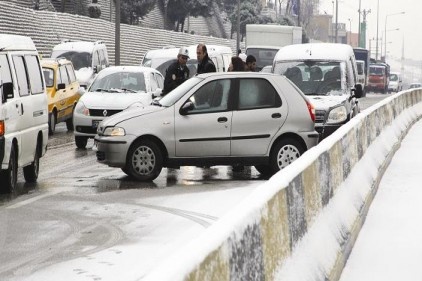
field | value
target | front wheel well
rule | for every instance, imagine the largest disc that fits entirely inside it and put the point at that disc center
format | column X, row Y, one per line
column 156, row 141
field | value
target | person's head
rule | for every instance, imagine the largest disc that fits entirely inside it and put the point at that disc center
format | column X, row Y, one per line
column 236, row 64
column 251, row 63
column 201, row 52
column 183, row 56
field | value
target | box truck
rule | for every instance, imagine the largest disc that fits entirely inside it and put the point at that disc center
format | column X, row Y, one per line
column 264, row 40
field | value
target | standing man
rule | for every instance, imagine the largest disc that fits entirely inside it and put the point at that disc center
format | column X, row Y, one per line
column 177, row 72
column 205, row 64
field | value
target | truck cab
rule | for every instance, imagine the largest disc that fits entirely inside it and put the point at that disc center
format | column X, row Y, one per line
column 379, row 77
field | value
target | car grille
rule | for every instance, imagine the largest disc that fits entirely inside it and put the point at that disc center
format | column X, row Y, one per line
column 103, row 112
column 319, row 116
column 86, row 129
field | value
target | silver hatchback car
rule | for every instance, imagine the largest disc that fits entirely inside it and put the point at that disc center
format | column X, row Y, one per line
column 232, row 118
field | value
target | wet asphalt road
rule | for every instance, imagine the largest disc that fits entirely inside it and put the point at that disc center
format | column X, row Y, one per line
column 80, row 215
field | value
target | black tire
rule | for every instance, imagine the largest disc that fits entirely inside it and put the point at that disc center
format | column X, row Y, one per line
column 30, row 173
column 9, row 177
column 52, row 121
column 69, row 124
column 284, row 152
column 263, row 169
column 144, row 161
column 81, row 142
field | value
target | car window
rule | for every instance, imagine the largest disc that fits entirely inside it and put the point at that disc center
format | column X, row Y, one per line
column 63, row 75
column 23, row 82
column 153, row 82
column 257, row 93
column 95, row 58
column 48, row 76
column 34, row 74
column 160, row 80
column 211, row 97
column 6, row 75
column 71, row 73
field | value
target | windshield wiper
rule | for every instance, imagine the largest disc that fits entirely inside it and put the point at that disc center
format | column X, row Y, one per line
column 101, row 90
column 129, row 90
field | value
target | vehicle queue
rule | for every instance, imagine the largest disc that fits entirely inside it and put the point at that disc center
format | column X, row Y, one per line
column 254, row 119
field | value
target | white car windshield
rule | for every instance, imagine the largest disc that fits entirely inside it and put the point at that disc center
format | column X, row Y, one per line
column 179, row 92
column 315, row 77
column 119, row 81
column 78, row 59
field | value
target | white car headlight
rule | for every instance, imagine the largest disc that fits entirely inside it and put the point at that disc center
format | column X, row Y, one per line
column 81, row 109
column 337, row 115
column 114, row 131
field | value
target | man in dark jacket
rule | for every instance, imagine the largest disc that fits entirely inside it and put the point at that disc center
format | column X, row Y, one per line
column 177, row 72
column 205, row 64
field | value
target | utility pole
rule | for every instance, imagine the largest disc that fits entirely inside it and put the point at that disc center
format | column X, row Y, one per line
column 359, row 11
column 378, row 14
column 336, row 35
column 238, row 27
column 117, row 35
column 362, row 39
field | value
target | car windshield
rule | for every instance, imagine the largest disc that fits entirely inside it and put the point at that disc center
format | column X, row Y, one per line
column 119, row 81
column 179, row 92
column 161, row 64
column 79, row 59
column 376, row 70
column 315, row 77
column 394, row 77
column 263, row 56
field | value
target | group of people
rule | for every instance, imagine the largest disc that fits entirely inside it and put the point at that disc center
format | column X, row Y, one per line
column 178, row 72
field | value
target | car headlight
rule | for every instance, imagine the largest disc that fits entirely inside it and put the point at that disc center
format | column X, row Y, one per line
column 80, row 108
column 114, row 131
column 337, row 115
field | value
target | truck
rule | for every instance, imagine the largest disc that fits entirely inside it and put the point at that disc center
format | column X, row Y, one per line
column 362, row 54
column 379, row 77
column 264, row 40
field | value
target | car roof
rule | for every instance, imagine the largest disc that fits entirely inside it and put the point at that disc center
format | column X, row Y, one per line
column 239, row 74
column 52, row 62
column 317, row 51
column 9, row 42
column 77, row 45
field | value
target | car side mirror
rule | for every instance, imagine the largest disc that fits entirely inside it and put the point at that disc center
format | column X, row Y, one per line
column 186, row 108
column 7, row 89
column 61, row 86
column 358, row 90
column 96, row 69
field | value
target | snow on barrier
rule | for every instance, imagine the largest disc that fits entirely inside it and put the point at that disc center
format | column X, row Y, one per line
column 303, row 222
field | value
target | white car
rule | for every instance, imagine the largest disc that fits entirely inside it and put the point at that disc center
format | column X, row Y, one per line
column 230, row 118
column 113, row 90
column 396, row 83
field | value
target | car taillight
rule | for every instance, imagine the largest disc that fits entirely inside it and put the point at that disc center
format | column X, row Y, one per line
column 2, row 128
column 311, row 110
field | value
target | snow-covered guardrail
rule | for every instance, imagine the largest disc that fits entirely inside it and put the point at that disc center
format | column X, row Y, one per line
column 303, row 222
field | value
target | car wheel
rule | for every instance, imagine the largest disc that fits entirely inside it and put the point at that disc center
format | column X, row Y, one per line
column 52, row 121
column 284, row 153
column 144, row 161
column 81, row 141
column 30, row 173
column 69, row 124
column 9, row 177
column 263, row 169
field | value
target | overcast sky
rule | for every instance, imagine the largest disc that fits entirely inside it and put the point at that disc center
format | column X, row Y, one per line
column 408, row 23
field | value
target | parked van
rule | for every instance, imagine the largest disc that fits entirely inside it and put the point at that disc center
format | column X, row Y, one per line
column 23, row 111
column 160, row 59
column 88, row 58
column 327, row 74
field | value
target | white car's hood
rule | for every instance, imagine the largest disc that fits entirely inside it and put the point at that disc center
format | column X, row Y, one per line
column 325, row 102
column 130, row 113
column 117, row 101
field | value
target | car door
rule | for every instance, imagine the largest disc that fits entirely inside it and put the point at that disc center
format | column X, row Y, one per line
column 205, row 130
column 63, row 94
column 72, row 89
column 258, row 116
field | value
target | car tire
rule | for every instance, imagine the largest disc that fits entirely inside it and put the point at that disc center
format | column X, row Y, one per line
column 9, row 177
column 30, row 173
column 81, row 142
column 69, row 124
column 52, row 121
column 264, row 169
column 144, row 160
column 284, row 152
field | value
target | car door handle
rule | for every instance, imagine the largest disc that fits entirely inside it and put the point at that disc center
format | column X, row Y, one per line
column 22, row 108
column 222, row 119
column 276, row 115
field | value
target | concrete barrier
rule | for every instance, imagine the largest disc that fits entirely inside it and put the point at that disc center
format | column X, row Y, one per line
column 303, row 222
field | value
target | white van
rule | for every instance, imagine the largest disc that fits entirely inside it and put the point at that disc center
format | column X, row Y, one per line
column 88, row 58
column 327, row 74
column 160, row 59
column 23, row 111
